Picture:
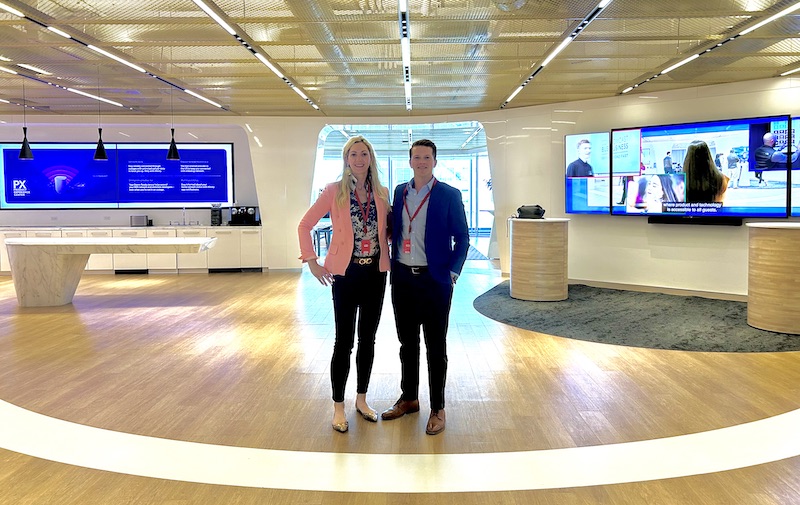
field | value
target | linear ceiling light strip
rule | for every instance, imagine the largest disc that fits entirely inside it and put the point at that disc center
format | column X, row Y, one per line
column 94, row 48
column 405, row 48
column 249, row 44
column 747, row 30
column 564, row 43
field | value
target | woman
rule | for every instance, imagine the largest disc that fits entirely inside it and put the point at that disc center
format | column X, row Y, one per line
column 355, row 266
column 653, row 192
column 704, row 182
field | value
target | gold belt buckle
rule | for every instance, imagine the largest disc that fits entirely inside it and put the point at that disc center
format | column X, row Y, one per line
column 364, row 261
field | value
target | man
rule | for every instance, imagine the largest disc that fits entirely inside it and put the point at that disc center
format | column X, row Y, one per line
column 733, row 168
column 581, row 166
column 763, row 156
column 429, row 246
column 668, row 163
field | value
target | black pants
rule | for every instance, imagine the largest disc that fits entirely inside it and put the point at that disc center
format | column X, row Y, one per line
column 419, row 300
column 360, row 290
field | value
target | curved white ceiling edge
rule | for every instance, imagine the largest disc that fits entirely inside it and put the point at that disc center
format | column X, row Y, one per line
column 754, row 443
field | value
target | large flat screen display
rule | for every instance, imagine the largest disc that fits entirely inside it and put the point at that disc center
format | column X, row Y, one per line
column 649, row 173
column 586, row 158
column 794, row 194
column 65, row 176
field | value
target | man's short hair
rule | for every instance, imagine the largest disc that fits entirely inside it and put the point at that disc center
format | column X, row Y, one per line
column 425, row 143
column 583, row 141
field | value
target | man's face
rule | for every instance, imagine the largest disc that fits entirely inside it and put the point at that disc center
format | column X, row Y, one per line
column 422, row 161
column 585, row 151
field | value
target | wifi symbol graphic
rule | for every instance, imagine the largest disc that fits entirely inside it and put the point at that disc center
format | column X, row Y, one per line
column 60, row 176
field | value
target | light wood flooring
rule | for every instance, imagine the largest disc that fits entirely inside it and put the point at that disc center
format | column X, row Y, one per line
column 242, row 360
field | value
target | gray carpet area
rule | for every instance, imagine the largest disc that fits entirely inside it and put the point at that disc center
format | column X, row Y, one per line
column 630, row 318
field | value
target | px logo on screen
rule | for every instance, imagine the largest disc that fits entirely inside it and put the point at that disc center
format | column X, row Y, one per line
column 20, row 184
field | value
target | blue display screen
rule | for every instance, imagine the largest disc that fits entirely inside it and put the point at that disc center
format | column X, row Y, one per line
column 648, row 176
column 134, row 176
column 587, row 173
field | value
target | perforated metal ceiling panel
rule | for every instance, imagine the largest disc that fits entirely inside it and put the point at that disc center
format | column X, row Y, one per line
column 466, row 55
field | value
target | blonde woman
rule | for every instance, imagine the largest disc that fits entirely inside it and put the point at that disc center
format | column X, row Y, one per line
column 355, row 266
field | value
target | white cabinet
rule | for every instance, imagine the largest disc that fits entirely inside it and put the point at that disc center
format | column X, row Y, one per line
column 96, row 261
column 226, row 252
column 100, row 261
column 43, row 232
column 161, row 262
column 5, row 266
column 192, row 261
column 250, row 241
column 130, row 261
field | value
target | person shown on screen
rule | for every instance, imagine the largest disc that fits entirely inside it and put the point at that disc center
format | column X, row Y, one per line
column 763, row 156
column 668, row 163
column 355, row 267
column 430, row 239
column 653, row 192
column 704, row 183
column 734, row 168
column 581, row 166
column 780, row 157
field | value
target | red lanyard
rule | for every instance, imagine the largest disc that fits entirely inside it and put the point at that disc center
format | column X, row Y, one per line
column 364, row 209
column 405, row 204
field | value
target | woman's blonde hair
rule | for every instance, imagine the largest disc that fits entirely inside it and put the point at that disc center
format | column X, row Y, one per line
column 343, row 192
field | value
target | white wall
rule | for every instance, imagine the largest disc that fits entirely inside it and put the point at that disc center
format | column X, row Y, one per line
column 526, row 153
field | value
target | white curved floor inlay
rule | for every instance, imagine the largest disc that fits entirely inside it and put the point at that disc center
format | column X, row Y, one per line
column 754, row 443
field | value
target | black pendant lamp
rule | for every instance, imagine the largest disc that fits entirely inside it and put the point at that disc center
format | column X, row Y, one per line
column 172, row 154
column 100, row 152
column 25, row 151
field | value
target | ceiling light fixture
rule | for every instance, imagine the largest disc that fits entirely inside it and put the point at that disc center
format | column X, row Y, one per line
column 405, row 49
column 116, row 58
column 250, row 45
column 11, row 10
column 34, row 69
column 59, row 32
column 25, row 152
column 701, row 52
column 563, row 44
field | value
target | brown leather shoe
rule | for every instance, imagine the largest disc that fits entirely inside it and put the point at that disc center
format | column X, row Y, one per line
column 401, row 408
column 435, row 422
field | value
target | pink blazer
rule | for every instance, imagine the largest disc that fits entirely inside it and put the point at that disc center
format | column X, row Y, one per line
column 340, row 250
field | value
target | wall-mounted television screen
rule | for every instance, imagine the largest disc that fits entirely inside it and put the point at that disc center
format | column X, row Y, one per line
column 649, row 172
column 66, row 176
column 794, row 175
column 586, row 158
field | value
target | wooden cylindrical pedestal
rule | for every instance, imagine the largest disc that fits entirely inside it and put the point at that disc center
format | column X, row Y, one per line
column 773, row 279
column 539, row 259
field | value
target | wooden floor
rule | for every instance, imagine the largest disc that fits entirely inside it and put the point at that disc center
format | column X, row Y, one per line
column 242, row 360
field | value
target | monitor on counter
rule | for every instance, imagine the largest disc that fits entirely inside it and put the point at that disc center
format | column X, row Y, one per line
column 66, row 176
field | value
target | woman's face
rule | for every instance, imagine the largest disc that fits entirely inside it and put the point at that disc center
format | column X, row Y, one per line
column 358, row 159
column 654, row 191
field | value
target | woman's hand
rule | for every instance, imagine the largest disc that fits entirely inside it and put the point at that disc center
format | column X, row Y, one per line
column 321, row 273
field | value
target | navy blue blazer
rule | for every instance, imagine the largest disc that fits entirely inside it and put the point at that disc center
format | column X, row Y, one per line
column 446, row 232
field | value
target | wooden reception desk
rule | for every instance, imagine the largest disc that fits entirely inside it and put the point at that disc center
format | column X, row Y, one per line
column 539, row 259
column 773, row 278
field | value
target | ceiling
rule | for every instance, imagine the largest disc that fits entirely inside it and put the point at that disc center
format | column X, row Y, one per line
column 466, row 55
